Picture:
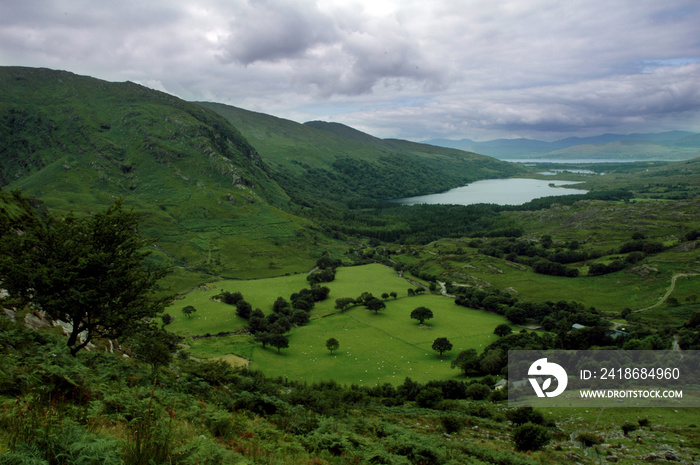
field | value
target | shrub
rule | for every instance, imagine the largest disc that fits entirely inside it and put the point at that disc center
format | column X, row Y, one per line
column 588, row 439
column 429, row 397
column 627, row 428
column 452, row 424
column 530, row 437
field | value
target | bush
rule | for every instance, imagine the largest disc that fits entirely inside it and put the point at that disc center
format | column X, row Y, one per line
column 478, row 391
column 452, row 424
column 588, row 439
column 429, row 397
column 530, row 437
column 627, row 428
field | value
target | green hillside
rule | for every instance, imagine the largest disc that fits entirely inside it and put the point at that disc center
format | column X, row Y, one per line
column 318, row 162
column 77, row 143
column 223, row 202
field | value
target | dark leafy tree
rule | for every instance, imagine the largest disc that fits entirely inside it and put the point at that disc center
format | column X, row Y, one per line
column 442, row 345
column 375, row 305
column 167, row 319
column 231, row 298
column 280, row 341
column 385, row 296
column 188, row 311
column 502, row 330
column 88, row 271
column 299, row 317
column 393, row 294
column 421, row 314
column 429, row 397
column 344, row 303
column 332, row 344
column 155, row 347
column 467, row 361
column 281, row 306
column 243, row 309
column 319, row 293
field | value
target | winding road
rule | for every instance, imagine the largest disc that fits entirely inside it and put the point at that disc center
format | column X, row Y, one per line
column 669, row 292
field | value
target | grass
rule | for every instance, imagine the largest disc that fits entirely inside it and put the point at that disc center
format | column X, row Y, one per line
column 374, row 348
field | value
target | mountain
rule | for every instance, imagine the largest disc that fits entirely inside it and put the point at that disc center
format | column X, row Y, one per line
column 671, row 146
column 228, row 192
column 320, row 163
column 77, row 143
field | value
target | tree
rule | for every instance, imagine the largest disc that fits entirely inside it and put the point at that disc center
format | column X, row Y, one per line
column 467, row 360
column 188, row 311
column 393, row 294
column 375, row 305
column 231, row 298
column 155, row 347
column 344, row 303
column 442, row 344
column 502, row 330
column 89, row 271
column 385, row 296
column 167, row 319
column 281, row 306
column 421, row 314
column 243, row 309
column 332, row 344
column 278, row 340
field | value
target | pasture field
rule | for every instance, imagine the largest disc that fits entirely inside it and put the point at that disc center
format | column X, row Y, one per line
column 374, row 348
column 382, row 348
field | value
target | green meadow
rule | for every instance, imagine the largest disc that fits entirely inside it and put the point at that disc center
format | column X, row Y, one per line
column 374, row 348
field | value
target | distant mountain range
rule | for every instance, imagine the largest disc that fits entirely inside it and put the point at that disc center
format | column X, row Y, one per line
column 670, row 146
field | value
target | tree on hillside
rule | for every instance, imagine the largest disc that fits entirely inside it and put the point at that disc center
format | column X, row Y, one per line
column 243, row 309
column 278, row 340
column 421, row 314
column 344, row 303
column 282, row 306
column 332, row 344
column 442, row 344
column 467, row 360
column 375, row 305
column 89, row 271
column 167, row 319
column 502, row 330
column 188, row 311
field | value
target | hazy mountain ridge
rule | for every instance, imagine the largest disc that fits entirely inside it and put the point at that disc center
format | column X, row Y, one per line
column 670, row 145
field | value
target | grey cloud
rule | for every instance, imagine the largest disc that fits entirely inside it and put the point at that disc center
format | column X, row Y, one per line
column 396, row 68
column 269, row 30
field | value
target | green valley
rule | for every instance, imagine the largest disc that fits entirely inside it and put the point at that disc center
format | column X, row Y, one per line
column 287, row 330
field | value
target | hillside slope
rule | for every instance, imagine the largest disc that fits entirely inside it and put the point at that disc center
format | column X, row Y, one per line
column 77, row 143
column 319, row 161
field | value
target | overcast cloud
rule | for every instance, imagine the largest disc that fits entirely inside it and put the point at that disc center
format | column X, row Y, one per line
column 544, row 69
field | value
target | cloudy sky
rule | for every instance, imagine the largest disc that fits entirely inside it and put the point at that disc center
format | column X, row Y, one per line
column 478, row 69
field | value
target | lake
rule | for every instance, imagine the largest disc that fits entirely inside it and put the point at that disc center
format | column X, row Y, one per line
column 513, row 191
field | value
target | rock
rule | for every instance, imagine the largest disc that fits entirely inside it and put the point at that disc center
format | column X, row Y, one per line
column 612, row 459
column 9, row 313
column 573, row 456
column 36, row 320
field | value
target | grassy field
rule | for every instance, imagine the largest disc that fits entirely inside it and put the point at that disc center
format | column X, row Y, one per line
column 374, row 348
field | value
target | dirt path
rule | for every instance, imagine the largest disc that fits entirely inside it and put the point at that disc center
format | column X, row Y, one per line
column 669, row 292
